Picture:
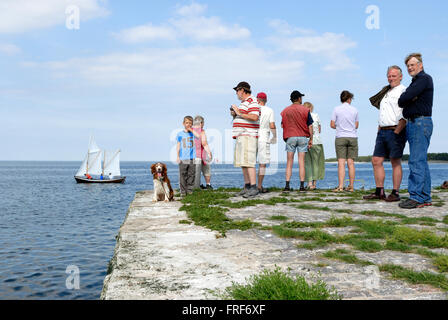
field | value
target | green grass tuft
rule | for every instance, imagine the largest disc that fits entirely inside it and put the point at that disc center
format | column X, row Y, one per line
column 414, row 277
column 278, row 285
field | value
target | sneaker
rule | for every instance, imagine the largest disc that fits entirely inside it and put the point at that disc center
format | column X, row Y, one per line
column 287, row 189
column 203, row 187
column 374, row 196
column 251, row 193
column 392, row 198
column 410, row 204
column 263, row 190
column 209, row 187
column 302, row 189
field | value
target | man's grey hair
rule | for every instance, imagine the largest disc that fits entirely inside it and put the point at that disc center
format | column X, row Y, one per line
column 396, row 68
column 415, row 55
column 198, row 120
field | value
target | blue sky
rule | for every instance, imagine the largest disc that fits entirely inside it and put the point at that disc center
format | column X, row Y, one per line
column 133, row 69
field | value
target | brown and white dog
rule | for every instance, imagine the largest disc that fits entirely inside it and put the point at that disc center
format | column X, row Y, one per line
column 162, row 185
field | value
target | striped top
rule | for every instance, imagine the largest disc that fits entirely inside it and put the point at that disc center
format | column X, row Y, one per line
column 244, row 127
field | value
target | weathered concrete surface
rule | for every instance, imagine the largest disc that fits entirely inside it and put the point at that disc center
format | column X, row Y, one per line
column 156, row 257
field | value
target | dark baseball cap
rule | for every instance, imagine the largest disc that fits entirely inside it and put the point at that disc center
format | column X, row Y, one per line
column 296, row 95
column 242, row 85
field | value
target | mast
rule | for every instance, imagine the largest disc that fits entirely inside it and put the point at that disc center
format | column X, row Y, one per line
column 104, row 162
column 87, row 163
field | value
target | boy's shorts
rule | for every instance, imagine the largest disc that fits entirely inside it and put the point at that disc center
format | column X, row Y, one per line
column 245, row 154
column 346, row 148
column 264, row 152
column 299, row 143
column 204, row 168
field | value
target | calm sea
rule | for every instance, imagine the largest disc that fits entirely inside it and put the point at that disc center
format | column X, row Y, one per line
column 49, row 225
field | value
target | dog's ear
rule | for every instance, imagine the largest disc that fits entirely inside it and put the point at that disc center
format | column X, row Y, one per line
column 165, row 170
column 153, row 168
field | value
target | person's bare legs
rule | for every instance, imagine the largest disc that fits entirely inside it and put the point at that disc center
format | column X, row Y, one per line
column 261, row 174
column 341, row 172
column 250, row 175
column 289, row 164
column 301, row 157
column 397, row 172
column 378, row 171
column 351, row 171
column 207, row 179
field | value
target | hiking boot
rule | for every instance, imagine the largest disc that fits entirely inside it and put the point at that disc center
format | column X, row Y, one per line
column 374, row 196
column 287, row 189
column 263, row 190
column 411, row 204
column 392, row 198
column 252, row 192
column 302, row 189
column 242, row 192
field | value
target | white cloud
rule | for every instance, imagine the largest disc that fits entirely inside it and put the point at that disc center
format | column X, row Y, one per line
column 189, row 23
column 9, row 49
column 146, row 33
column 17, row 16
column 284, row 28
column 194, row 9
column 209, row 29
column 329, row 47
column 197, row 69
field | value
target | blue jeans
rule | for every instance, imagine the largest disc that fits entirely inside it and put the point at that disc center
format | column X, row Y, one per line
column 419, row 134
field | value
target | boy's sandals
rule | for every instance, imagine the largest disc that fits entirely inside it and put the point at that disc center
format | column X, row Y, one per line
column 338, row 189
column 349, row 189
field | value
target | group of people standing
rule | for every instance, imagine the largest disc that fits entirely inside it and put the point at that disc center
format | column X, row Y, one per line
column 405, row 114
column 253, row 123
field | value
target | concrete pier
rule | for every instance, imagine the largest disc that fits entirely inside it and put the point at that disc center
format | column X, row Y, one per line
column 156, row 257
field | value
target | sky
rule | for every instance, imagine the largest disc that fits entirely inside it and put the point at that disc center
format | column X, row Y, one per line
column 127, row 72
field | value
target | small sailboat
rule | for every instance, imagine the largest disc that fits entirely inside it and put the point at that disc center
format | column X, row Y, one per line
column 100, row 166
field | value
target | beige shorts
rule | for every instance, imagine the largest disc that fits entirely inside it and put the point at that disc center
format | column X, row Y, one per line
column 264, row 152
column 204, row 168
column 245, row 154
column 346, row 148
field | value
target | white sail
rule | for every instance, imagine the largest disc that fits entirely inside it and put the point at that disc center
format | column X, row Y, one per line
column 83, row 169
column 112, row 163
column 94, row 163
column 93, row 146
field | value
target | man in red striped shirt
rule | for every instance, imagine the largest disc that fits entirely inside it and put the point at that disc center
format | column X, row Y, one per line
column 245, row 131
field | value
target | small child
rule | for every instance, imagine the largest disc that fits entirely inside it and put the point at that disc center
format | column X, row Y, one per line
column 203, row 154
column 186, row 153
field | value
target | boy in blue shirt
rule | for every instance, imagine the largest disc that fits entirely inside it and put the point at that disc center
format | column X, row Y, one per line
column 186, row 153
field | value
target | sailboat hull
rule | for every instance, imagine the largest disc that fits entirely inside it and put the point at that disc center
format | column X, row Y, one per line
column 85, row 180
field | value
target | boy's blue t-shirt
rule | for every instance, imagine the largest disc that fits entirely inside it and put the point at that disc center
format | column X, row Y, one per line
column 187, row 147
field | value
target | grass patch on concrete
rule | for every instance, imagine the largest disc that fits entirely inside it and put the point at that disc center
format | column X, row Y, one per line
column 414, row 277
column 279, row 218
column 346, row 256
column 278, row 285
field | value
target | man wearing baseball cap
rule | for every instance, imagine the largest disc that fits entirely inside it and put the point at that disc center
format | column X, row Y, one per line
column 245, row 131
column 267, row 126
column 297, row 125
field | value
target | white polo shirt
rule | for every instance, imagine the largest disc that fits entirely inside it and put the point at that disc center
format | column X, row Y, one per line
column 390, row 112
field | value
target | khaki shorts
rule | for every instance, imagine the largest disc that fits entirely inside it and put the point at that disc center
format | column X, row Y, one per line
column 245, row 152
column 264, row 152
column 346, row 148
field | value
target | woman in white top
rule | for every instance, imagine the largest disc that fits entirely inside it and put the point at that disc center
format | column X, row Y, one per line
column 314, row 158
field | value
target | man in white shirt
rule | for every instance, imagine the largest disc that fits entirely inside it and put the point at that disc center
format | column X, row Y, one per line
column 267, row 126
column 391, row 138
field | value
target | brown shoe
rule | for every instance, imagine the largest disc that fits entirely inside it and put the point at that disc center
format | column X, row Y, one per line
column 393, row 198
column 374, row 196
